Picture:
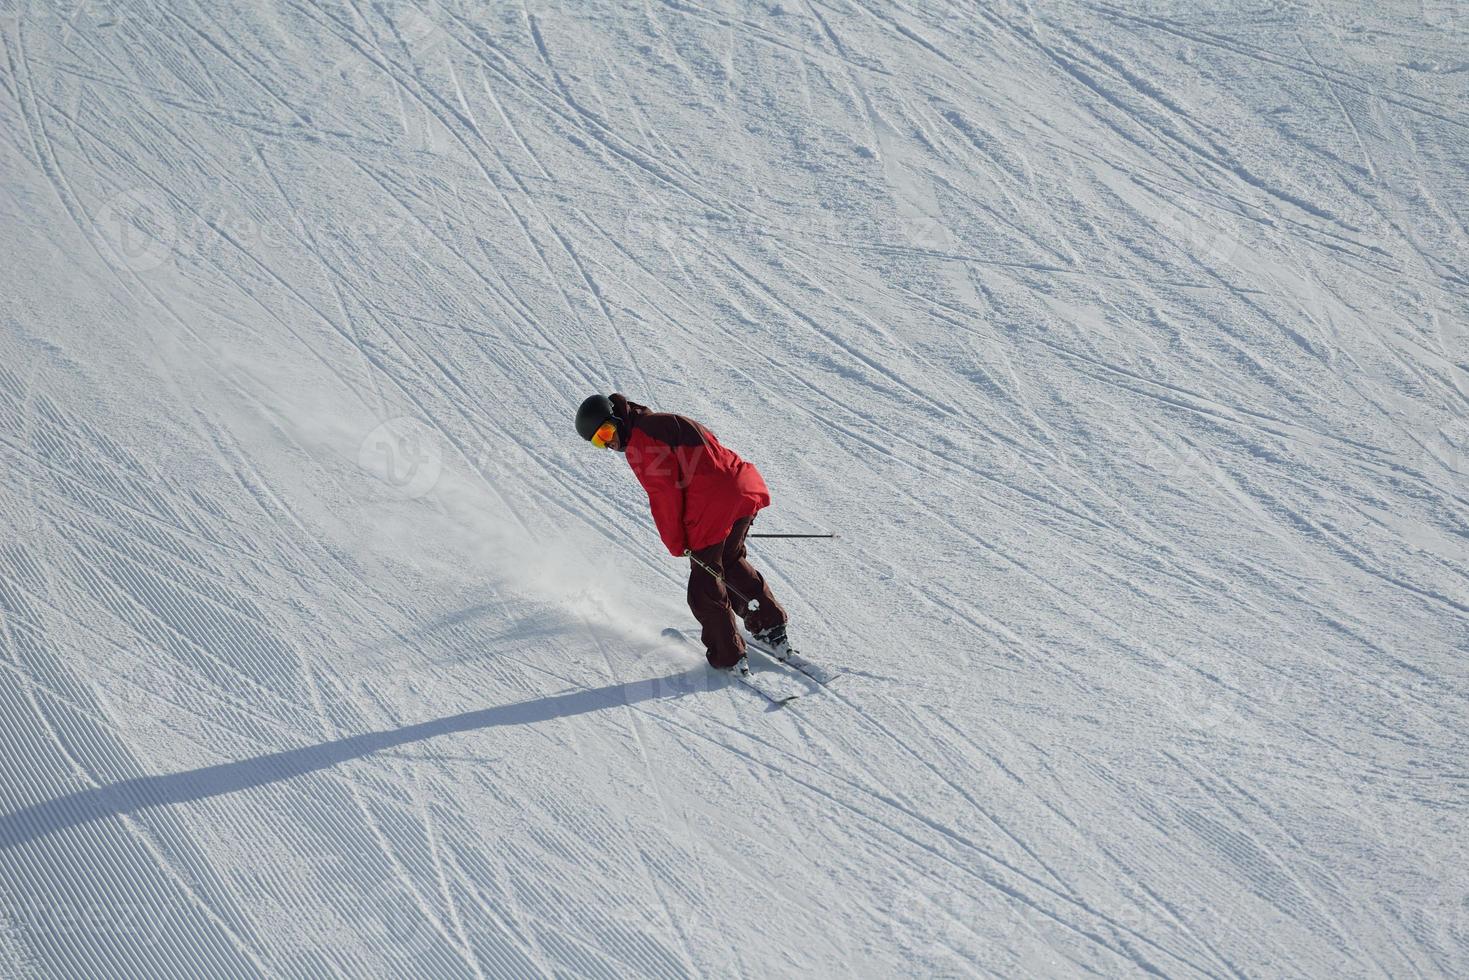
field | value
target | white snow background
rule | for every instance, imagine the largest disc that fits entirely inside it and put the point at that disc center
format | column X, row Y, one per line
column 1126, row 345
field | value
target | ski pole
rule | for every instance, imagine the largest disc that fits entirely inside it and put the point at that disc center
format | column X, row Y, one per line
column 750, row 604
column 755, row 535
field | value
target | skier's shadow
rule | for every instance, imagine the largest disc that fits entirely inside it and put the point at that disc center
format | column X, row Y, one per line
column 88, row 806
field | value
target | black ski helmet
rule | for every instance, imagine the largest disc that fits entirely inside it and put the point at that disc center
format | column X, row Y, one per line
column 593, row 412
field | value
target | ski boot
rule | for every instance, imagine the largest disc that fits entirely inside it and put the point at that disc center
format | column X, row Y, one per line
column 774, row 640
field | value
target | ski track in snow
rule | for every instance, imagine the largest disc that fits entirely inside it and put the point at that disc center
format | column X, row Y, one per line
column 1127, row 348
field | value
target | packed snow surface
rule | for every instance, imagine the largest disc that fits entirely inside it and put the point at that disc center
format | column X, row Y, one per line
column 1126, row 346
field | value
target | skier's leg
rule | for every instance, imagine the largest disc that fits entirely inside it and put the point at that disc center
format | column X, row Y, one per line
column 744, row 579
column 723, row 644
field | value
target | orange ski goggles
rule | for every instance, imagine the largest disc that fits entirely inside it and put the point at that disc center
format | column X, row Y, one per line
column 603, row 437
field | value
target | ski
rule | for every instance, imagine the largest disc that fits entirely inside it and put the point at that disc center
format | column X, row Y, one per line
column 754, row 683
column 796, row 662
column 757, row 683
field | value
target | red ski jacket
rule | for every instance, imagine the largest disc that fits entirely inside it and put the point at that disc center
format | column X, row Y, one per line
column 697, row 489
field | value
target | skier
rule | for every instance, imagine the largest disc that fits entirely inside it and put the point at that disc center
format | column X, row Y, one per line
column 704, row 498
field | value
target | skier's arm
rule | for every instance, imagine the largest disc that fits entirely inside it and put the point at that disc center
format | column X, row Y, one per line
column 658, row 473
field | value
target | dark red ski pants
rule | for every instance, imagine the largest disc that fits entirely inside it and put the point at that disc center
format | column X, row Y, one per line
column 715, row 608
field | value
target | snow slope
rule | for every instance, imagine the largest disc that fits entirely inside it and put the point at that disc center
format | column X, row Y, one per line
column 1127, row 346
